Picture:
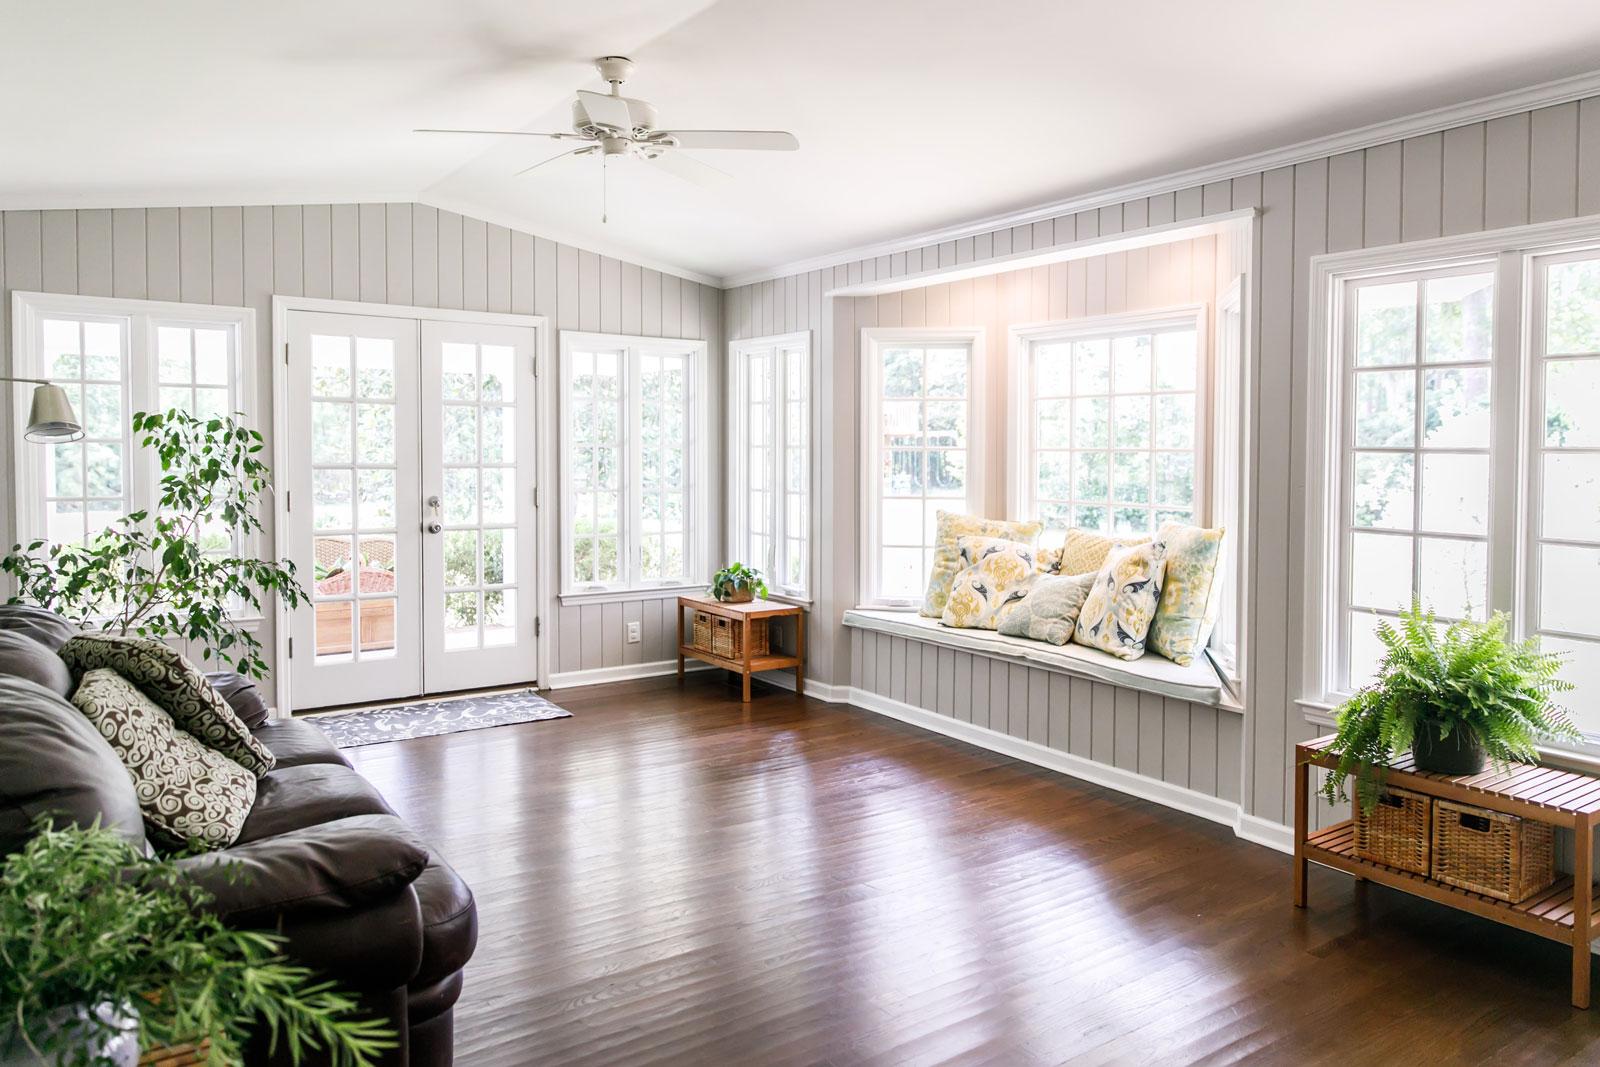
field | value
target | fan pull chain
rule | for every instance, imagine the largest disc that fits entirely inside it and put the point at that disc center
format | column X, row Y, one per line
column 605, row 169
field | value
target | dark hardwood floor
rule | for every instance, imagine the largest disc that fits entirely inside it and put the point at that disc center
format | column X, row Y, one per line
column 671, row 877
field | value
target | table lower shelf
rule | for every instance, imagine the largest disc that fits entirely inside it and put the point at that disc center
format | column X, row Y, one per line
column 1548, row 913
column 757, row 663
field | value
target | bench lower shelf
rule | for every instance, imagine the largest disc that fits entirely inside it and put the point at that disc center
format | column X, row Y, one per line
column 1548, row 913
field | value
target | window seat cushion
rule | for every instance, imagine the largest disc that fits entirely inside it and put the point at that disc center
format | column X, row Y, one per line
column 1149, row 673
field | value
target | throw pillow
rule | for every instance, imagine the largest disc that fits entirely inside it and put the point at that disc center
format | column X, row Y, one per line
column 953, row 526
column 23, row 657
column 176, row 685
column 1050, row 609
column 993, row 577
column 1083, row 552
column 1189, row 592
column 191, row 795
column 1117, row 613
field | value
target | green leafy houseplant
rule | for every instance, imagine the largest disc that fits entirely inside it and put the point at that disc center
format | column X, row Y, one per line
column 86, row 920
column 736, row 583
column 171, row 573
column 1463, row 690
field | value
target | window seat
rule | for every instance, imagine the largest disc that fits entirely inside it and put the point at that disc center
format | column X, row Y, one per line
column 1150, row 673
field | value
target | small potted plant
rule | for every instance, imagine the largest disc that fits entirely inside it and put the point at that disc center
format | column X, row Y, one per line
column 1456, row 697
column 738, row 584
column 104, row 951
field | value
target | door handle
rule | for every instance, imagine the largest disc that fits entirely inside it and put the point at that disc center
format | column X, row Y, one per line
column 433, row 526
column 433, row 502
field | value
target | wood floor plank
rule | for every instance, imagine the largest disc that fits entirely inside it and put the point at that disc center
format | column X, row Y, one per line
column 673, row 877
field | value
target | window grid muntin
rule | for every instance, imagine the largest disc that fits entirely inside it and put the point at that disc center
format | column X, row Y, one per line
column 660, row 537
column 114, row 506
column 771, row 509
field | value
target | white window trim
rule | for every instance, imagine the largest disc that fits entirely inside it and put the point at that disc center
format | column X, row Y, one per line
column 1510, row 253
column 739, row 353
column 696, row 517
column 1231, row 452
column 1020, row 503
column 873, row 340
column 142, row 317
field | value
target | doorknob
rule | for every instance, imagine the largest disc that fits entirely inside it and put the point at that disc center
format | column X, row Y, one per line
column 433, row 502
column 433, row 526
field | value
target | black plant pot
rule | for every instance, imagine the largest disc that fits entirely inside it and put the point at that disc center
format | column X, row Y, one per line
column 1460, row 753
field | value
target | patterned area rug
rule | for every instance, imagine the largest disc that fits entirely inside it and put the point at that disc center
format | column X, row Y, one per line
column 372, row 726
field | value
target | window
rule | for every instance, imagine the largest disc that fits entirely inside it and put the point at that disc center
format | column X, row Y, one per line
column 1456, row 449
column 770, row 459
column 1108, row 422
column 632, row 448
column 922, row 390
column 115, row 357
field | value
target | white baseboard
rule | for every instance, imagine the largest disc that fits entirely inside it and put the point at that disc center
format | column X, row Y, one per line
column 1249, row 827
column 625, row 673
column 829, row 694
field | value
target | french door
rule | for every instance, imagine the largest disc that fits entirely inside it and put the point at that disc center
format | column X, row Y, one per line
column 410, row 513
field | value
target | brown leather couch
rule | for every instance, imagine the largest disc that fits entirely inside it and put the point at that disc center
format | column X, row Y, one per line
column 326, row 862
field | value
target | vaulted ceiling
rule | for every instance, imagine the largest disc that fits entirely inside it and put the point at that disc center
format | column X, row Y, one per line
column 911, row 114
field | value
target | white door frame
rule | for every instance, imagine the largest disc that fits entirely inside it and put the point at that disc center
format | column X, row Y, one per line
column 545, row 552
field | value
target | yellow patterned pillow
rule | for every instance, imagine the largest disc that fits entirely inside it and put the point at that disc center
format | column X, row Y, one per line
column 1190, row 592
column 994, row 579
column 1122, row 602
column 1083, row 552
column 953, row 526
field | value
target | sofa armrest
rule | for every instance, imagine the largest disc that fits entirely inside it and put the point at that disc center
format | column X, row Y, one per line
column 242, row 696
column 373, row 948
column 330, row 868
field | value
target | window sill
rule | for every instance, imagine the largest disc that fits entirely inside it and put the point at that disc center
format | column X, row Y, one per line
column 619, row 596
column 1197, row 683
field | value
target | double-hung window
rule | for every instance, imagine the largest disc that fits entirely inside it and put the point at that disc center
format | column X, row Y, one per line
column 770, row 459
column 922, row 390
column 1455, row 454
column 1108, row 420
column 632, row 460
column 115, row 357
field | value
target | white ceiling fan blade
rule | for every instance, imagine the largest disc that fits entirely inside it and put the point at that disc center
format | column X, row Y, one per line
column 689, row 169
column 604, row 110
column 586, row 150
column 507, row 133
column 759, row 140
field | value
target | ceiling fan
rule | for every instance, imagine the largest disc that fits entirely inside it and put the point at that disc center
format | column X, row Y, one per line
column 610, row 124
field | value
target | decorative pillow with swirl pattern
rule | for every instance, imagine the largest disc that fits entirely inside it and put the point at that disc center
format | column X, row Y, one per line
column 190, row 795
column 177, row 686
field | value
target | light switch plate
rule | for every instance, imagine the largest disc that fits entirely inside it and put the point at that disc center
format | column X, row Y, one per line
column 633, row 633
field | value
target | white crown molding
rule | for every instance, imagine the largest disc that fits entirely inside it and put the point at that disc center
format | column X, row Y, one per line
column 1482, row 109
column 163, row 197
column 555, row 233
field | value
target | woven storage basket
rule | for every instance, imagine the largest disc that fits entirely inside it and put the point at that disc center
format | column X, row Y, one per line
column 176, row 1055
column 1397, row 832
column 1490, row 852
column 700, row 637
column 727, row 637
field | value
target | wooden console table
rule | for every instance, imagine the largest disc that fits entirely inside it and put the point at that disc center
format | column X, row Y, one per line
column 745, row 614
column 1544, row 794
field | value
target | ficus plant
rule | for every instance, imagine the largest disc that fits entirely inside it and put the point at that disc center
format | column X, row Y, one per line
column 172, row 572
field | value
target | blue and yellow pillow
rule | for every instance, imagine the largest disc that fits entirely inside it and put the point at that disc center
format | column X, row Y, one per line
column 951, row 528
column 1190, row 592
column 1121, row 604
column 1049, row 608
column 994, row 576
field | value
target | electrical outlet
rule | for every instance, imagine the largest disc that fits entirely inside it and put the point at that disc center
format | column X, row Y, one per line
column 633, row 633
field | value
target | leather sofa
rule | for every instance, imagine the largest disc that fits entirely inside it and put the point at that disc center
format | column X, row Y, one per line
column 326, row 862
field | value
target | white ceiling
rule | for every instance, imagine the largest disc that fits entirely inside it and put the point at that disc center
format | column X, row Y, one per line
column 911, row 114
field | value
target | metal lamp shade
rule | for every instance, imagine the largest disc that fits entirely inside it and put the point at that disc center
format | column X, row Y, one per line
column 51, row 418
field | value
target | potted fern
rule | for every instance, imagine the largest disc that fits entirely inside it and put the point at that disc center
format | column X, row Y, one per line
column 1456, row 697
column 738, row 584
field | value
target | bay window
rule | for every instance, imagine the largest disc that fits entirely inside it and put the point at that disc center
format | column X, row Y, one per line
column 769, row 468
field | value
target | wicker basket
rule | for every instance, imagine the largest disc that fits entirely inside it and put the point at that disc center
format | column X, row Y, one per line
column 1490, row 852
column 727, row 637
column 1397, row 831
column 700, row 636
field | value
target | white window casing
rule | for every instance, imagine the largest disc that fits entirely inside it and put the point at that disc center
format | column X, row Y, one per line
column 771, row 500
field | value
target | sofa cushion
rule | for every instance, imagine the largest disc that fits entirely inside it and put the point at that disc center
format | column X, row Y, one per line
column 449, row 922
column 334, row 866
column 176, row 685
column 291, row 798
column 242, row 696
column 191, row 796
column 297, row 742
column 23, row 657
column 52, row 762
column 41, row 624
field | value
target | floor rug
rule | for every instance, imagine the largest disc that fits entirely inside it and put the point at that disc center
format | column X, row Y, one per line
column 372, row 726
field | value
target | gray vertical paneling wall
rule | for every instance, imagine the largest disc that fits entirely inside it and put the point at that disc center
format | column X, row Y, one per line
column 1518, row 168
column 378, row 253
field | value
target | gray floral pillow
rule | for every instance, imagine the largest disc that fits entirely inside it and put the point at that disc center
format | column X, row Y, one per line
column 1050, row 609
column 190, row 795
column 175, row 685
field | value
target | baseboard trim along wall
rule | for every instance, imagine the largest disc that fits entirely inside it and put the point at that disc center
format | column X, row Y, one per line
column 1248, row 827
column 625, row 673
